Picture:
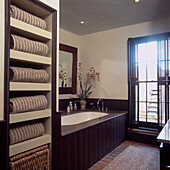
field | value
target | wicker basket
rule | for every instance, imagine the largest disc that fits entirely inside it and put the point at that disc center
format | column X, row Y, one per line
column 36, row 159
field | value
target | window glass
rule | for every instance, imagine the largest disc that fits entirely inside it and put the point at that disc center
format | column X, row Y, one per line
column 142, row 72
column 142, row 92
column 142, row 111
column 152, row 71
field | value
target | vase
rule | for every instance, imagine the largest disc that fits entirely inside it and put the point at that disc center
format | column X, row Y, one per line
column 83, row 105
column 62, row 83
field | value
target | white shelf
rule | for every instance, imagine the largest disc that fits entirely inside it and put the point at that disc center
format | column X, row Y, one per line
column 28, row 30
column 29, row 144
column 21, row 117
column 31, row 58
column 24, row 86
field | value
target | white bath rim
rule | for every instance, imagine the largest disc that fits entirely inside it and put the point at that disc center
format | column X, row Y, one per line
column 81, row 117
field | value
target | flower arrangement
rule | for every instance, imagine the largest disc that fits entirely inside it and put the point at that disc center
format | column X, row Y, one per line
column 62, row 75
column 86, row 81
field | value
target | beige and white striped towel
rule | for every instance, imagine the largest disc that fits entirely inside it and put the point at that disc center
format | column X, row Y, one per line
column 25, row 104
column 19, row 133
column 24, row 16
column 19, row 74
column 29, row 46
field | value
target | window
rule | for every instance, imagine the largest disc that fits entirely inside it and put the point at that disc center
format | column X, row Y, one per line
column 149, row 80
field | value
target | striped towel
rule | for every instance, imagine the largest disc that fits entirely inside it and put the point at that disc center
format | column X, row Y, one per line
column 25, row 104
column 29, row 46
column 18, row 74
column 24, row 16
column 25, row 131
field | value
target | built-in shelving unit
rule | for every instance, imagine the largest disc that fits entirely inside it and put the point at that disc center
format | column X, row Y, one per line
column 28, row 60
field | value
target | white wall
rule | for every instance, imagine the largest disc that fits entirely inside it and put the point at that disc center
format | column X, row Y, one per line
column 52, row 3
column 107, row 52
column 69, row 38
column 73, row 40
column 2, row 42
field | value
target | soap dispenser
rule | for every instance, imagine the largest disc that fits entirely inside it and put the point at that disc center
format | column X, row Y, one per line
column 71, row 106
column 75, row 106
column 68, row 109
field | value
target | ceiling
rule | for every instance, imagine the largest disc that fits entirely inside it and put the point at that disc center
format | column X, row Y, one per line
column 100, row 15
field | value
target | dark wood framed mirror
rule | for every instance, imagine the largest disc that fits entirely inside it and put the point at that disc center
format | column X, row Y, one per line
column 67, row 69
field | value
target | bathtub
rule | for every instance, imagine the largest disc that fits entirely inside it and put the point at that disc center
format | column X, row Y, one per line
column 81, row 117
column 87, row 137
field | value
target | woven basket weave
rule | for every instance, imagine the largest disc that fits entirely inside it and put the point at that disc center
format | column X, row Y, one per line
column 36, row 159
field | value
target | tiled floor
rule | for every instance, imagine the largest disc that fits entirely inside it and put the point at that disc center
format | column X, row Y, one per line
column 108, row 158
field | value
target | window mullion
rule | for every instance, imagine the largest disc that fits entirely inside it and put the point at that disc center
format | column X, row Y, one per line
column 158, row 54
column 166, row 83
column 146, row 99
column 168, row 75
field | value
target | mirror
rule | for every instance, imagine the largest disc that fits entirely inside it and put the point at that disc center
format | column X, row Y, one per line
column 67, row 69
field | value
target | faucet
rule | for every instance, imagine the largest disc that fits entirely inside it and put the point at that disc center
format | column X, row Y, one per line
column 102, row 105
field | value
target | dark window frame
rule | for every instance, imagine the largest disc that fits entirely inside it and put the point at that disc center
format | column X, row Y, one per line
column 133, row 80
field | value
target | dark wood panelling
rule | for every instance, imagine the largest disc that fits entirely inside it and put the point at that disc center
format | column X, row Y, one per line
column 4, row 132
column 63, row 103
column 56, row 140
column 111, row 104
column 3, row 146
column 82, row 149
column 54, row 64
column 164, row 155
column 142, row 137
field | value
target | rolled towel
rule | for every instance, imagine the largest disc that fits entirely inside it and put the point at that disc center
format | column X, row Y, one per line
column 24, row 16
column 18, row 74
column 29, row 46
column 19, row 133
column 25, row 104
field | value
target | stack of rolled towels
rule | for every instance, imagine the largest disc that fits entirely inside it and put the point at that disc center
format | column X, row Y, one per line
column 29, row 46
column 26, row 17
column 25, row 131
column 19, row 74
column 28, row 103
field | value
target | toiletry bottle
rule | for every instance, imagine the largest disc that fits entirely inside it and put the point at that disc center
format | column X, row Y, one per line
column 68, row 109
column 75, row 106
column 71, row 106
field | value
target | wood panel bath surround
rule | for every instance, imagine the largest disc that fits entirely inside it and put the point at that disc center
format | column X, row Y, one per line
column 111, row 104
column 83, row 148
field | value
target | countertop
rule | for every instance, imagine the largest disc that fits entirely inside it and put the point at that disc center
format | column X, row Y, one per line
column 68, row 129
column 164, row 135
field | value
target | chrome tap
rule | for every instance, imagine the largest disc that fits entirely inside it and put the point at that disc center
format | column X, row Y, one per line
column 98, row 102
